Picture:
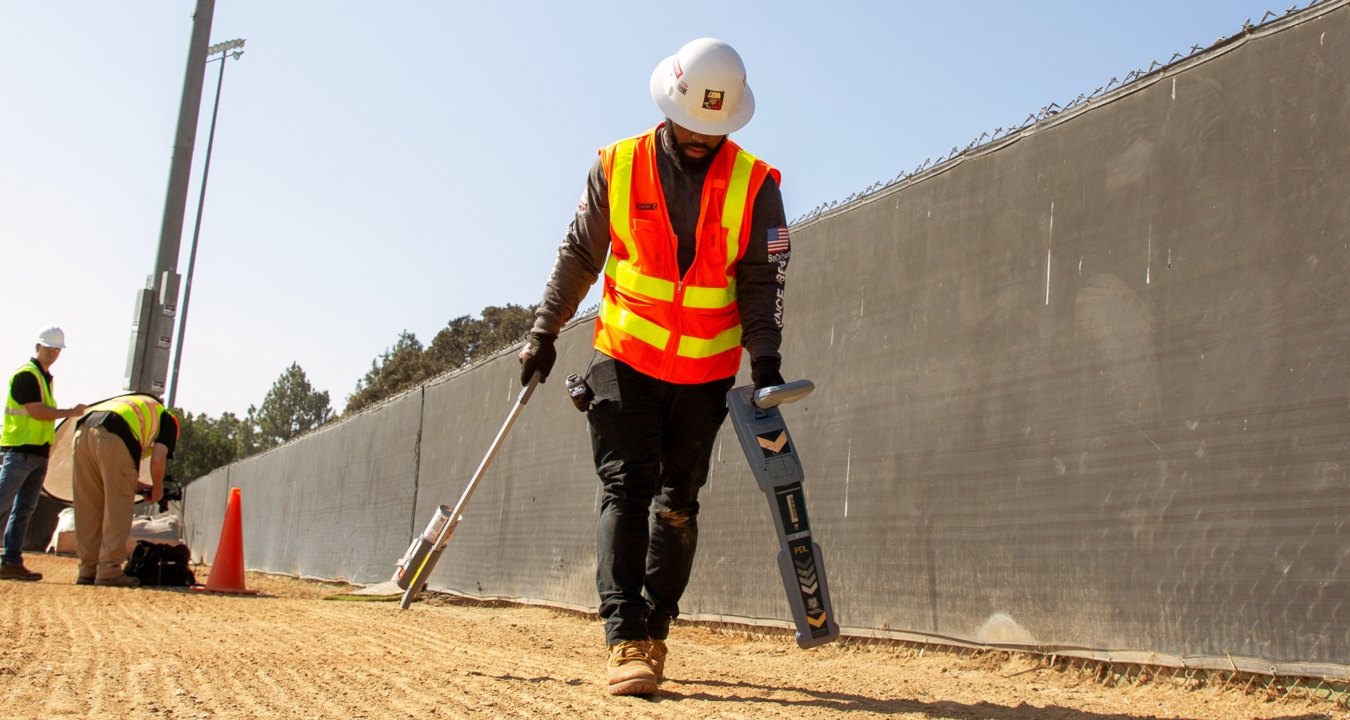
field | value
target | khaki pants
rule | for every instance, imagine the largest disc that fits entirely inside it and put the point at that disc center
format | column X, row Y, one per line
column 105, row 498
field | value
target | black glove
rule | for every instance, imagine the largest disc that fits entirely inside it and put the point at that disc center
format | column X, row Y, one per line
column 764, row 372
column 538, row 354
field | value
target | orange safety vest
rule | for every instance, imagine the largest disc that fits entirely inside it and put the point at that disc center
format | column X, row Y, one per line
column 681, row 330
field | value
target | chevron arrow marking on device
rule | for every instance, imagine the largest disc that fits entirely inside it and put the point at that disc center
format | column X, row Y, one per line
column 774, row 445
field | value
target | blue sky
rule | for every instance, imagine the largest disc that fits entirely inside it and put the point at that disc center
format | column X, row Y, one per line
column 388, row 166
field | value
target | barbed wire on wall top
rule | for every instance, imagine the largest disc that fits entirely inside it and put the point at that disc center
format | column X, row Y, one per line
column 1053, row 109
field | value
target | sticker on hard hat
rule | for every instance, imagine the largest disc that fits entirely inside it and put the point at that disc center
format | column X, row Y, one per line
column 712, row 99
column 683, row 87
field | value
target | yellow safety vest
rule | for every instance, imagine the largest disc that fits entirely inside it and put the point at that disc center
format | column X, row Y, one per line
column 141, row 415
column 22, row 428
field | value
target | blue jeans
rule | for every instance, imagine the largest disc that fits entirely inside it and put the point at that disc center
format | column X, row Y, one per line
column 653, row 442
column 21, row 477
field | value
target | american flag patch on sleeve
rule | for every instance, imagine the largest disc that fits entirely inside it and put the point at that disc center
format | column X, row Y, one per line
column 779, row 243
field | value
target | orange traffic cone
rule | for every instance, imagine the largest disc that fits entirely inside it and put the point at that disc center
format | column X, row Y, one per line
column 227, row 569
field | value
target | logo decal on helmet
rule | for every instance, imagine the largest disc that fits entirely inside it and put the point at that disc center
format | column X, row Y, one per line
column 679, row 71
column 683, row 87
column 712, row 99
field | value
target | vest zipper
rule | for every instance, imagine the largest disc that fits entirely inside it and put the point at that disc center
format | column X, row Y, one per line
column 670, row 357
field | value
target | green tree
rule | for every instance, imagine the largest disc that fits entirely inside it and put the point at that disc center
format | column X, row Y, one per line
column 400, row 367
column 206, row 443
column 239, row 432
column 462, row 341
column 466, row 340
column 201, row 447
column 500, row 328
column 452, row 346
column 291, row 408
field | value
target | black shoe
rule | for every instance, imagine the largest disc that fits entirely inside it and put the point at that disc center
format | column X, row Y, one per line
column 84, row 581
column 18, row 572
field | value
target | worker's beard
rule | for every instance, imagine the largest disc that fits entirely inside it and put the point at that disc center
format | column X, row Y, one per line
column 676, row 150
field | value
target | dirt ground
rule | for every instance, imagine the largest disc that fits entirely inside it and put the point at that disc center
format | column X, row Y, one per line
column 91, row 652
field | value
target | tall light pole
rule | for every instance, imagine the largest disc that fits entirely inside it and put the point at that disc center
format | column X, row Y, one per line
column 225, row 50
column 157, row 303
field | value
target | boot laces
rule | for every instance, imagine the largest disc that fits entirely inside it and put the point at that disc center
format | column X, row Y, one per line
column 629, row 651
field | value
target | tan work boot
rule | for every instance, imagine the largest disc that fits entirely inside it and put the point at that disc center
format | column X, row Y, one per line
column 630, row 669
column 657, row 656
column 123, row 580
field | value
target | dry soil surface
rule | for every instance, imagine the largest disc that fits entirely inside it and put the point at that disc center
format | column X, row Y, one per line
column 91, row 652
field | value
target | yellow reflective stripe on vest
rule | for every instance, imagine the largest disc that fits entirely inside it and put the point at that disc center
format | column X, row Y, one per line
column 733, row 210
column 620, row 189
column 635, row 325
column 707, row 298
column 733, row 215
column 141, row 415
column 692, row 347
column 624, row 272
column 627, row 278
column 148, row 421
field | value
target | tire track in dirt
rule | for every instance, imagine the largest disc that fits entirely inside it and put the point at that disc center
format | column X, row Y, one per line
column 449, row 670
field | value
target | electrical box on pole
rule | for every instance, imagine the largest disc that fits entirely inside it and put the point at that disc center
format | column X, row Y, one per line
column 155, row 373
column 152, row 327
column 140, row 327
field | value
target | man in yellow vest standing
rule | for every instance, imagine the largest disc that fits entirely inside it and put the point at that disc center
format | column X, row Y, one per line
column 110, row 443
column 25, row 442
column 690, row 234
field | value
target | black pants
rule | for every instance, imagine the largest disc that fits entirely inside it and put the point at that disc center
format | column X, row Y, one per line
column 652, row 441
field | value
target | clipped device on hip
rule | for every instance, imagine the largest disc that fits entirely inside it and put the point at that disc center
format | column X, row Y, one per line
column 580, row 392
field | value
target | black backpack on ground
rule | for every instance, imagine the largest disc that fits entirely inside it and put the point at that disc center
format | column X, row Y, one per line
column 162, row 565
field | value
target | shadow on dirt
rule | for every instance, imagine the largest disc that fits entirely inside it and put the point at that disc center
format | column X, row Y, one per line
column 939, row 710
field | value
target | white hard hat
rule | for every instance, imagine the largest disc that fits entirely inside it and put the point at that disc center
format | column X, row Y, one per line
column 702, row 88
column 53, row 337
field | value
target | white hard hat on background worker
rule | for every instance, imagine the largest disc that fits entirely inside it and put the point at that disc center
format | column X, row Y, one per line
column 702, row 88
column 52, row 337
